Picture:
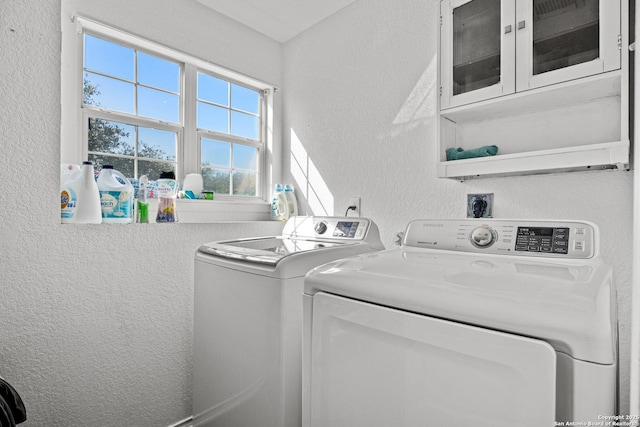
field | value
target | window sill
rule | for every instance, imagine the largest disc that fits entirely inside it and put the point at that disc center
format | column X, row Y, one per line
column 208, row 211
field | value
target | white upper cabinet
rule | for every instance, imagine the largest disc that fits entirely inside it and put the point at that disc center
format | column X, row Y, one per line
column 492, row 48
column 546, row 81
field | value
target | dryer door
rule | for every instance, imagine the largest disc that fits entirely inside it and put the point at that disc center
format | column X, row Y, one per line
column 375, row 366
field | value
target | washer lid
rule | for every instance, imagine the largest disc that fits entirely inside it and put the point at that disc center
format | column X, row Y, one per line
column 568, row 303
column 266, row 250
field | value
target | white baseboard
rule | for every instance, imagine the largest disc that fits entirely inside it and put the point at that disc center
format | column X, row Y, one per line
column 187, row 422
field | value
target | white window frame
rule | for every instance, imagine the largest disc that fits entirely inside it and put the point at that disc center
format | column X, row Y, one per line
column 232, row 139
column 74, row 145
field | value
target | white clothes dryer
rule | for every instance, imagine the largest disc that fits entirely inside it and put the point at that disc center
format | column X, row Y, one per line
column 484, row 323
column 248, row 319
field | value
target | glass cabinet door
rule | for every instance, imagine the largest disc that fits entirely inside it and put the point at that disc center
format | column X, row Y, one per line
column 476, row 45
column 559, row 40
column 475, row 62
column 565, row 33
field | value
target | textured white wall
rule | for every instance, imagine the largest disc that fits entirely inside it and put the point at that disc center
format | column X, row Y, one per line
column 360, row 120
column 96, row 321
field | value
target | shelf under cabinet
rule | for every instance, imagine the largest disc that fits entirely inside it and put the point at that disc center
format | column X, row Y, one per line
column 564, row 127
column 608, row 155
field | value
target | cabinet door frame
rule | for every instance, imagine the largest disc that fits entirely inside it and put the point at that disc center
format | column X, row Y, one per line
column 507, row 56
column 608, row 60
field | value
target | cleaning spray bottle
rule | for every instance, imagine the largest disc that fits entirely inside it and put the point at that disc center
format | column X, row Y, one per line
column 143, row 203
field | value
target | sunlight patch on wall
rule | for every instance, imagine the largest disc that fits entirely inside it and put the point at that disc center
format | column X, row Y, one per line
column 308, row 179
column 422, row 101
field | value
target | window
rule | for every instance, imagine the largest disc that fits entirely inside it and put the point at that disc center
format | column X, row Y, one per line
column 143, row 91
column 229, row 136
column 228, row 165
column 147, row 109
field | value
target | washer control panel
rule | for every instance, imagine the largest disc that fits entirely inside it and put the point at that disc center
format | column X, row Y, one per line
column 545, row 239
column 334, row 228
column 565, row 239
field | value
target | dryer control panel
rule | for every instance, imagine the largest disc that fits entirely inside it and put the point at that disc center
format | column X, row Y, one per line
column 540, row 238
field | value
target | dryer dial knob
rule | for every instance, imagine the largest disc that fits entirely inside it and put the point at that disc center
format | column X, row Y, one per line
column 482, row 237
column 321, row 227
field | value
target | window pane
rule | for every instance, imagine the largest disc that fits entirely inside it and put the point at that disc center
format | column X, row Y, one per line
column 244, row 125
column 108, row 58
column 160, row 73
column 111, row 137
column 215, row 153
column 244, row 184
column 125, row 166
column 154, row 169
column 109, row 93
column 213, row 118
column 157, row 144
column 216, row 180
column 565, row 34
column 245, row 157
column 158, row 105
column 476, row 45
column 213, row 90
column 245, row 99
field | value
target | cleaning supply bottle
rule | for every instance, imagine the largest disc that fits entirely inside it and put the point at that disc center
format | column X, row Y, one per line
column 292, row 202
column 79, row 196
column 116, row 196
column 143, row 203
column 167, row 194
column 283, row 207
column 275, row 214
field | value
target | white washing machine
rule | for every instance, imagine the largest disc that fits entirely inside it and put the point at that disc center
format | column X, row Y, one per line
column 484, row 323
column 248, row 319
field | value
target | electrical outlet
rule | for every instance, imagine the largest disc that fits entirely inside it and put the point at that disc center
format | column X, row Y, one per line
column 480, row 205
column 354, row 201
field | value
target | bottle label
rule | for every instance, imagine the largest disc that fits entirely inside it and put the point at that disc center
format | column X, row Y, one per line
column 116, row 204
column 68, row 200
column 274, row 209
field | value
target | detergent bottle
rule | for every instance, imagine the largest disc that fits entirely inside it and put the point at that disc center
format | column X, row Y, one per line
column 79, row 196
column 292, row 202
column 116, row 196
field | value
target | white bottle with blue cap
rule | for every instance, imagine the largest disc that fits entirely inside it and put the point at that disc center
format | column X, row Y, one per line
column 276, row 213
column 292, row 202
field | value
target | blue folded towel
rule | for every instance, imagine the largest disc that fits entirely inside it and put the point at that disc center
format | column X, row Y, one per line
column 459, row 153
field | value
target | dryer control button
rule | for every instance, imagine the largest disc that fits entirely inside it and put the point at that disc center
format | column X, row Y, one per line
column 482, row 237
